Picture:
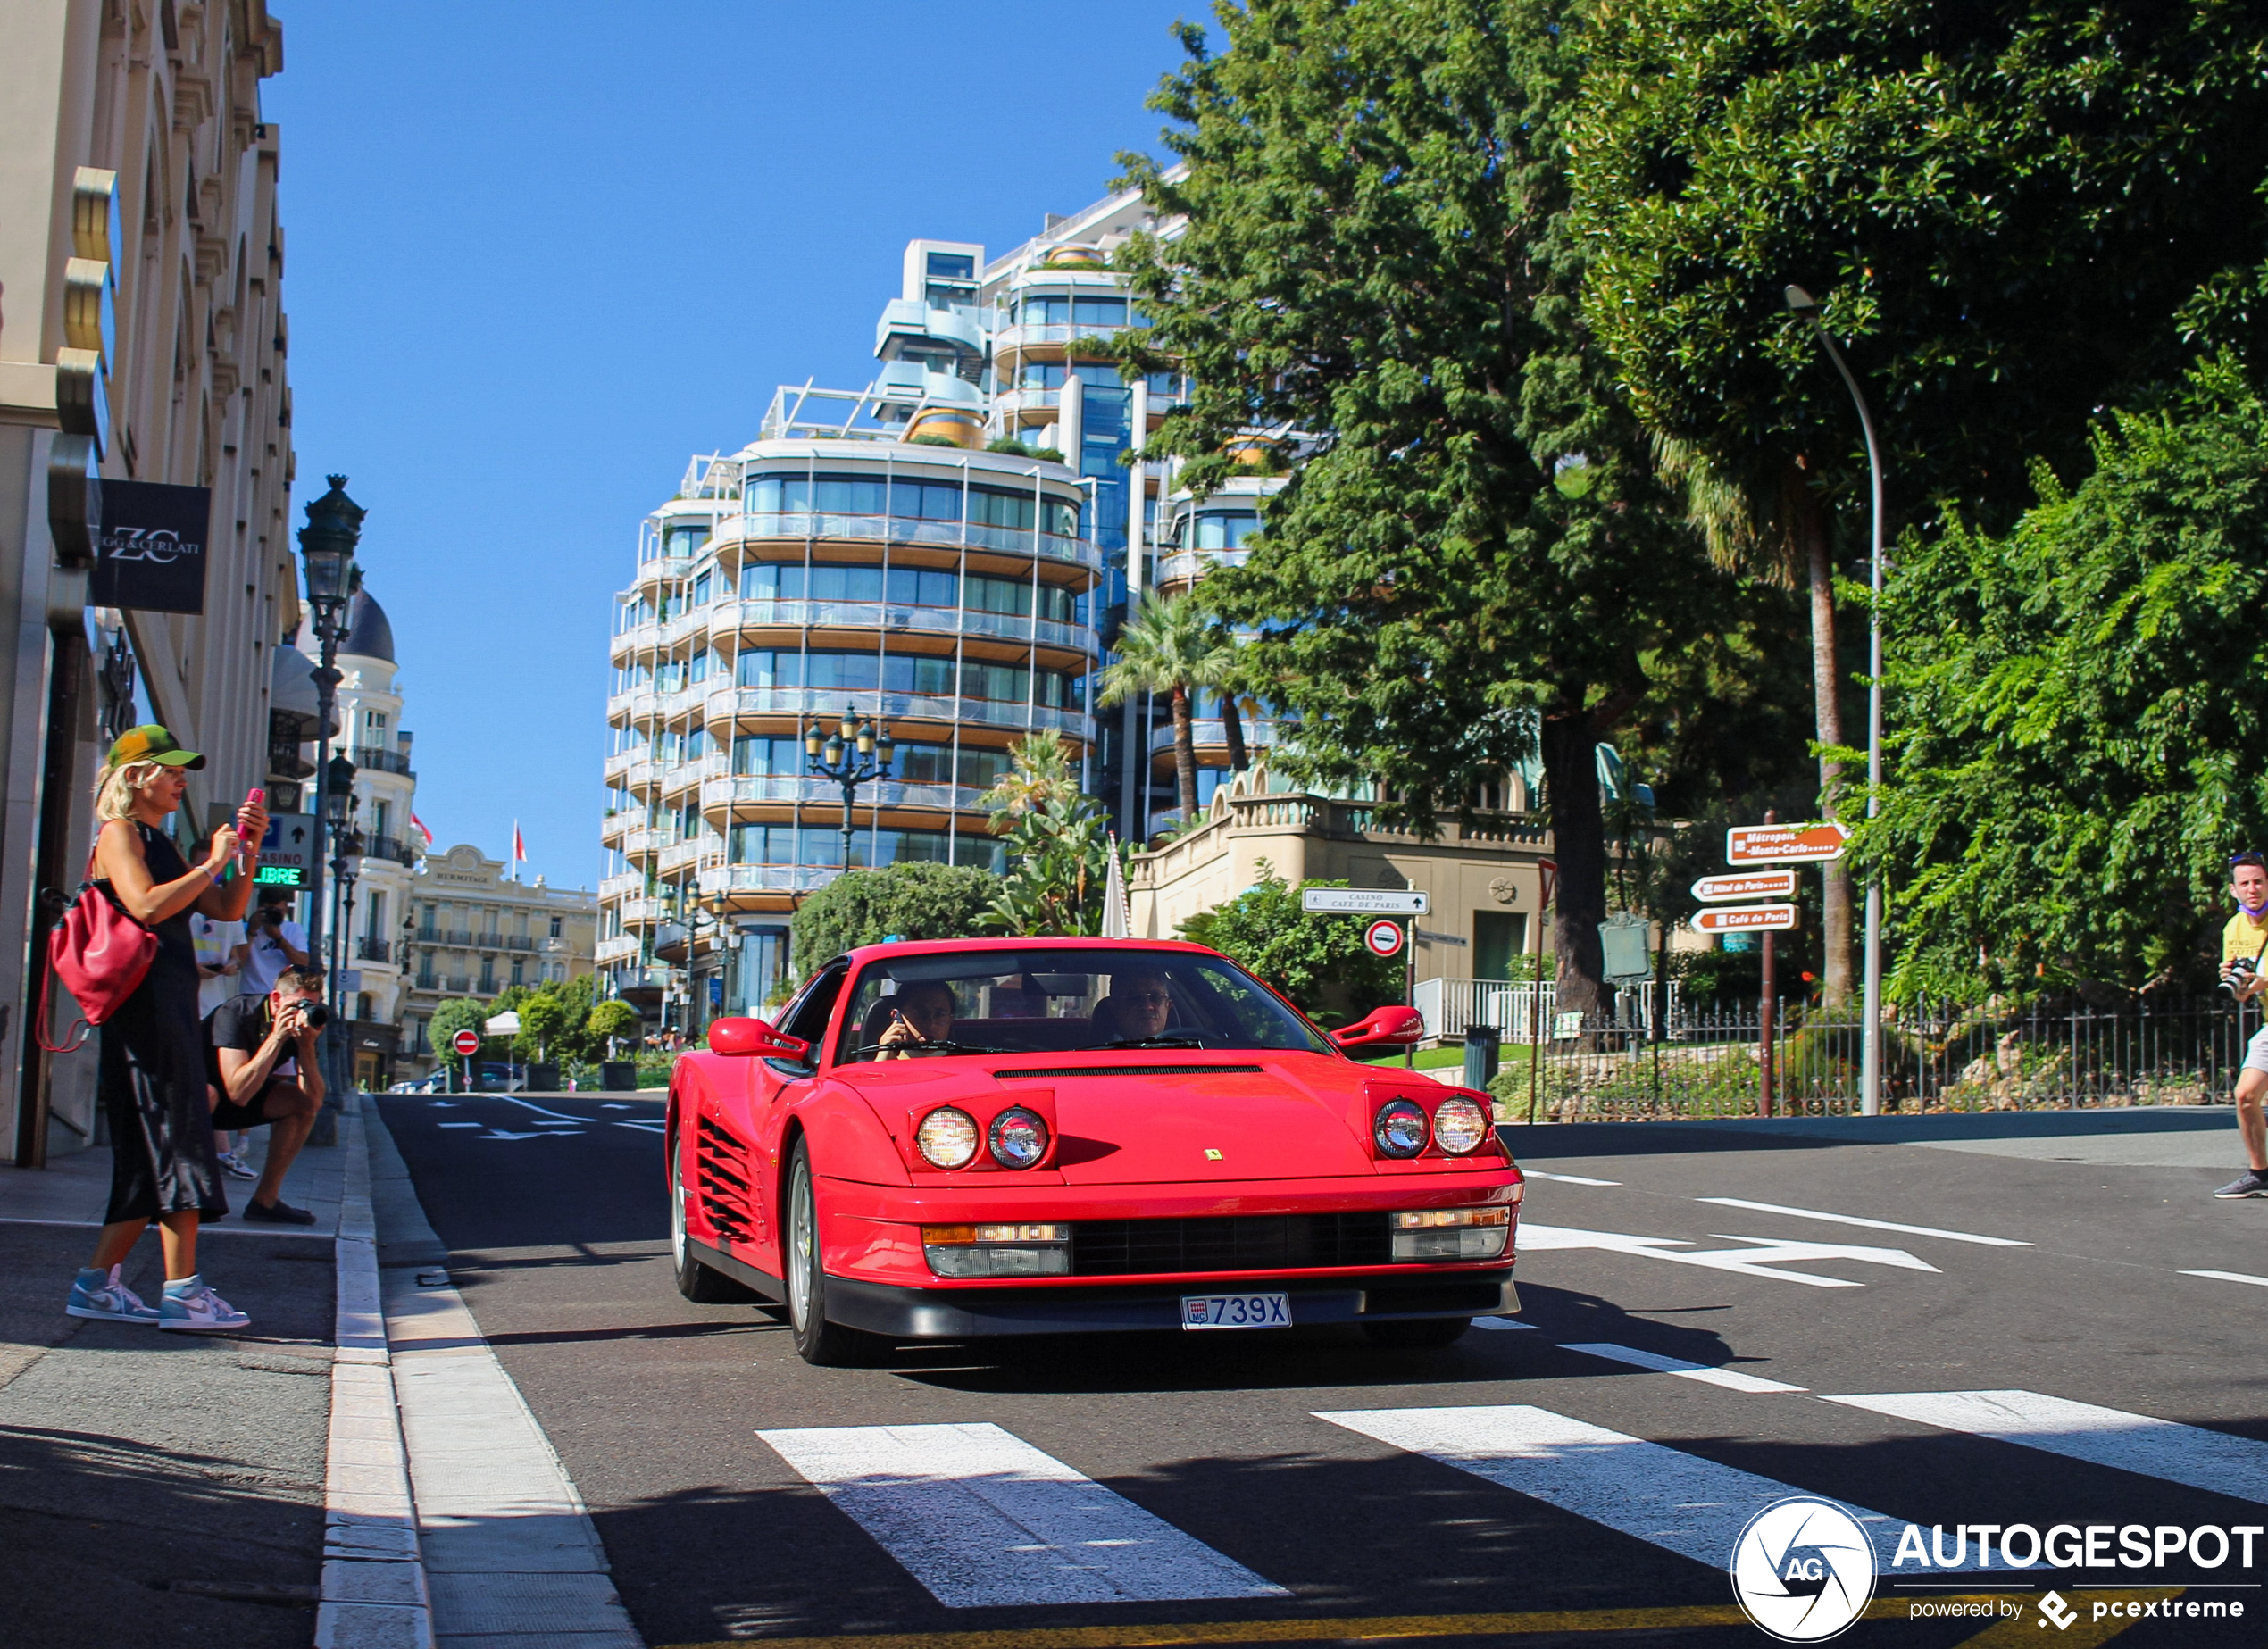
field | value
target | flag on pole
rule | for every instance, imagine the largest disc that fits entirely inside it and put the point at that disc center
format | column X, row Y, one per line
column 519, row 851
column 418, row 824
column 1118, row 920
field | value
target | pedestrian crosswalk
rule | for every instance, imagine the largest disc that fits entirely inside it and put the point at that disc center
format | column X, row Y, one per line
column 982, row 1517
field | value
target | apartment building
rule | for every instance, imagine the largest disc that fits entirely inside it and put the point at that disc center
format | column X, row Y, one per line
column 142, row 348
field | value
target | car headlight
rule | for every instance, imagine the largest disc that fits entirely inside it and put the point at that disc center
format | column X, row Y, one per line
column 948, row 1138
column 1019, row 1137
column 1460, row 1125
column 1022, row 1250
column 1451, row 1233
column 1400, row 1128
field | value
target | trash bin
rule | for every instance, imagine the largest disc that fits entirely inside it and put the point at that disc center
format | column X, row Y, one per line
column 1483, row 1046
column 618, row 1075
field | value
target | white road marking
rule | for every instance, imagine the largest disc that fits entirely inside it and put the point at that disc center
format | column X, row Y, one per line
column 574, row 1122
column 1872, row 1225
column 1570, row 1179
column 1676, row 1500
column 649, row 1128
column 1760, row 1261
column 460, row 1124
column 2212, row 1461
column 539, row 1109
column 506, row 1134
column 2231, row 1277
column 983, row 1520
column 1500, row 1323
column 1731, row 1379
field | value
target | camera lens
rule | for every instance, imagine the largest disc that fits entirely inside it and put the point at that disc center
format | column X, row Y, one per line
column 316, row 1015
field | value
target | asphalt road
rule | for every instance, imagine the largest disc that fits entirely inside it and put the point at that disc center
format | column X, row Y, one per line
column 557, row 1232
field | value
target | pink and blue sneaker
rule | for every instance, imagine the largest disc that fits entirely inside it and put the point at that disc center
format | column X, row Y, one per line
column 101, row 1295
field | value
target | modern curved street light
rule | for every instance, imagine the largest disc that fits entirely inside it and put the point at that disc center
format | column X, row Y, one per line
column 1870, row 1080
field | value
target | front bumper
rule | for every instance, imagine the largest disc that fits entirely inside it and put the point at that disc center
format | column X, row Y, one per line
column 971, row 1313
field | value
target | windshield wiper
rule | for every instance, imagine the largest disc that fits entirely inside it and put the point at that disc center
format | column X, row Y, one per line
column 940, row 1045
column 1143, row 1042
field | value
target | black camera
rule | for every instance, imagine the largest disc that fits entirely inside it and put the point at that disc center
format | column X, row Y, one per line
column 314, row 1015
column 2239, row 975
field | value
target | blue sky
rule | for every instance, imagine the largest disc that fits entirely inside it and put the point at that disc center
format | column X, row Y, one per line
column 536, row 256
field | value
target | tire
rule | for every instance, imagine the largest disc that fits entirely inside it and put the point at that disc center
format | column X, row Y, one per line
column 695, row 1281
column 1419, row 1334
column 821, row 1344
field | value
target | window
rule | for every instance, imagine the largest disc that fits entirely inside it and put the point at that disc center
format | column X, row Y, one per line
column 381, row 824
column 1045, row 309
column 555, row 927
column 924, row 764
column 698, row 671
column 1499, row 940
column 951, row 266
column 700, row 590
column 519, row 971
column 767, row 758
column 982, row 767
column 1098, row 312
column 988, row 594
column 373, row 727
column 684, row 538
column 696, row 743
column 1041, row 375
column 363, row 1007
column 851, row 673
column 1224, row 529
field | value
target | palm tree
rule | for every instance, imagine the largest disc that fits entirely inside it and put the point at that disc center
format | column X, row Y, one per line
column 1170, row 645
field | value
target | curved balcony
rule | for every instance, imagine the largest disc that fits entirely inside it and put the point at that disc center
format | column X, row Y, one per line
column 679, row 778
column 622, row 947
column 1048, row 334
column 732, row 878
column 1187, row 566
column 749, row 789
column 901, row 530
column 621, row 885
column 631, row 771
column 638, row 705
column 828, row 703
column 690, row 856
column 641, row 845
column 648, row 913
column 663, row 569
column 730, row 618
column 1008, row 403
column 615, row 828
column 1213, row 734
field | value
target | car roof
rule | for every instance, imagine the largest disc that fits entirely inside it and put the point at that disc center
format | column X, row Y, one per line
column 924, row 947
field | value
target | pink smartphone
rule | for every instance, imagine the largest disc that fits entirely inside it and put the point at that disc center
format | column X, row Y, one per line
column 254, row 796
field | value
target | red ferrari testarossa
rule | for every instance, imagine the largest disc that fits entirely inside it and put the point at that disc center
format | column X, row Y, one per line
column 974, row 1137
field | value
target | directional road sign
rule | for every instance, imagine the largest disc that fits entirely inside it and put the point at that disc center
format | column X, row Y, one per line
column 466, row 1042
column 1745, row 919
column 287, row 852
column 1362, row 902
column 1784, row 844
column 1384, row 938
column 1754, row 884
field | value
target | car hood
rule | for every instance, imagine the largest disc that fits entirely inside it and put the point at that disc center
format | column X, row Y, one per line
column 1154, row 1119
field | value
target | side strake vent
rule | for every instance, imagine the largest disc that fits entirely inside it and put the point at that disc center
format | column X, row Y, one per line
column 1058, row 1071
column 726, row 1196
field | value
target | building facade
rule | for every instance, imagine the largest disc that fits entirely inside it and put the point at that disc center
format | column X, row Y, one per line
column 143, row 339
column 471, row 930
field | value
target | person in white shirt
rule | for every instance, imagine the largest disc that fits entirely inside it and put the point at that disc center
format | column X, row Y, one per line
column 274, row 945
column 220, row 960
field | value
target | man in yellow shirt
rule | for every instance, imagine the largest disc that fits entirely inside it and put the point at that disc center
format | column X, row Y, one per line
column 2244, row 940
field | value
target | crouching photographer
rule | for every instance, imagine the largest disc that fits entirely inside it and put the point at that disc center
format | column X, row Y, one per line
column 2243, row 943
column 259, row 1059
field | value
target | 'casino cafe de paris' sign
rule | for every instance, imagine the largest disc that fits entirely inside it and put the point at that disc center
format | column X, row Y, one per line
column 150, row 555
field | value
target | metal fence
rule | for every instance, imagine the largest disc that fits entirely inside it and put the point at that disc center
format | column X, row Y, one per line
column 1944, row 1058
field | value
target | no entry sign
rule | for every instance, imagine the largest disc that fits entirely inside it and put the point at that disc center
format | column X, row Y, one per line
column 1745, row 919
column 1754, row 884
column 1383, row 937
column 466, row 1042
column 1784, row 844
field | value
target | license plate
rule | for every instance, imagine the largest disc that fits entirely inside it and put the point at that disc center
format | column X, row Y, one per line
column 1236, row 1311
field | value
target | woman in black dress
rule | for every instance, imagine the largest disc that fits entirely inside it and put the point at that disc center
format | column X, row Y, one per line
column 153, row 1082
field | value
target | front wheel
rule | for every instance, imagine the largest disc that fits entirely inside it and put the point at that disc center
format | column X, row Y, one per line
column 821, row 1344
column 1419, row 1334
column 695, row 1281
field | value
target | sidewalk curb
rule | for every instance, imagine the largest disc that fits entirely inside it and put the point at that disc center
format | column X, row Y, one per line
column 374, row 1593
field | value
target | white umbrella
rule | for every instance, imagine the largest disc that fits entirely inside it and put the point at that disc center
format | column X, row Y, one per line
column 1118, row 920
column 505, row 1024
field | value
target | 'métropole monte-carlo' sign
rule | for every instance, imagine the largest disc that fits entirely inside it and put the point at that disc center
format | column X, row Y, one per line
column 1776, row 844
column 150, row 554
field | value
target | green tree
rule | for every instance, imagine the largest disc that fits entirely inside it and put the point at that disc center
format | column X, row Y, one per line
column 543, row 1022
column 1318, row 961
column 458, row 1013
column 2005, row 207
column 1472, row 563
column 1173, row 646
column 1058, row 844
column 608, row 1021
column 866, row 907
column 2078, row 718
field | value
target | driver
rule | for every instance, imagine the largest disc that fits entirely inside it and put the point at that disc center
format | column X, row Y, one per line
column 1141, row 1006
column 920, row 1012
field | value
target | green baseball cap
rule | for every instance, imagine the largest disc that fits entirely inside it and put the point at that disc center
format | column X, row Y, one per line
column 150, row 744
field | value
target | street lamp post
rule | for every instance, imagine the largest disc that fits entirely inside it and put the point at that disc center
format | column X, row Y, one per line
column 1870, row 1078
column 345, row 862
column 327, row 544
column 858, row 753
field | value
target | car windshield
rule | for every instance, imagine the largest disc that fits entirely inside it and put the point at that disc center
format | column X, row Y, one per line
column 1029, row 1001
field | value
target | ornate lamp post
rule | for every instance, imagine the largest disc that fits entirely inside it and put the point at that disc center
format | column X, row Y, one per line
column 340, row 805
column 858, row 753
column 327, row 544
column 1870, row 1080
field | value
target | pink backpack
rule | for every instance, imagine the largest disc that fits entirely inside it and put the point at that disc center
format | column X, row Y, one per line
column 102, row 956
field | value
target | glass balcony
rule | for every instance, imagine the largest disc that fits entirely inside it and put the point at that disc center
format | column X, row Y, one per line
column 731, row 879
column 899, row 530
column 729, row 617
column 828, row 703
column 749, row 790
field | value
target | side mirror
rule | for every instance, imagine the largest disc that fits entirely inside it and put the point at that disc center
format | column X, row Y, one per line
column 755, row 1037
column 1385, row 1028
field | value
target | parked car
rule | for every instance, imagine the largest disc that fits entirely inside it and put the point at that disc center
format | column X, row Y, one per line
column 499, row 1079
column 974, row 1137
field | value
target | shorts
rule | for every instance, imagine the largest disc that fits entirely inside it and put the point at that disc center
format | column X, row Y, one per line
column 228, row 1116
column 2256, row 1052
